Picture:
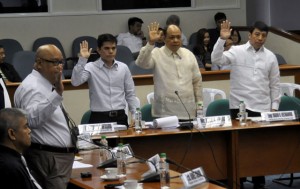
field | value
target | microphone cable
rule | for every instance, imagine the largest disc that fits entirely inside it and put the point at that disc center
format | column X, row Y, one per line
column 190, row 128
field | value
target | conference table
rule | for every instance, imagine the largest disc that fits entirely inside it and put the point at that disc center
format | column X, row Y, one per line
column 134, row 171
column 259, row 148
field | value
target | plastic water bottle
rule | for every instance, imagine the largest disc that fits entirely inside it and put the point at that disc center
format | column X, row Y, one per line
column 242, row 113
column 199, row 110
column 121, row 160
column 164, row 172
column 104, row 155
column 138, row 120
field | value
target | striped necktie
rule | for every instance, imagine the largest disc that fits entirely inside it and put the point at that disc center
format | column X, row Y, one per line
column 31, row 177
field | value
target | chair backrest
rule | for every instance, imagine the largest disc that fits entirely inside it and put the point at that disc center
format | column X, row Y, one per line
column 218, row 107
column 48, row 40
column 11, row 46
column 23, row 62
column 150, row 97
column 289, row 103
column 280, row 59
column 86, row 117
column 136, row 70
column 146, row 112
column 193, row 39
column 76, row 44
column 209, row 95
column 289, row 88
column 124, row 54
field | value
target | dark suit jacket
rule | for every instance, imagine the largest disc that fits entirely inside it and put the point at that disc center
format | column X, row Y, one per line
column 10, row 73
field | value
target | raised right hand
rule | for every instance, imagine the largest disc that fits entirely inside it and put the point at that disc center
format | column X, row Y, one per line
column 84, row 49
column 154, row 33
column 225, row 31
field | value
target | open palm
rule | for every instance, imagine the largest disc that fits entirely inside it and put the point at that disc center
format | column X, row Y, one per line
column 225, row 31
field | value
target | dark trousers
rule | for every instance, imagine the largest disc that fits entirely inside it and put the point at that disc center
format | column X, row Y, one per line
column 118, row 116
column 259, row 180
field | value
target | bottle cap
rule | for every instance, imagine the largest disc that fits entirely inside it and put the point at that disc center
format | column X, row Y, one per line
column 200, row 103
column 137, row 108
column 120, row 144
column 103, row 137
column 163, row 155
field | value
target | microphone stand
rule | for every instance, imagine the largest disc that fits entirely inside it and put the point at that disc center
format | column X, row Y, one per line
column 188, row 125
column 153, row 177
column 188, row 169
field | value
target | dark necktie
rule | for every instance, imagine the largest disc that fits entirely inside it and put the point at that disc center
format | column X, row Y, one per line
column 2, row 101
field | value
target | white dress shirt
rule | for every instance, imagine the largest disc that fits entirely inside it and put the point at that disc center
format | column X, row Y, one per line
column 109, row 88
column 254, row 76
column 46, row 120
column 172, row 72
column 131, row 41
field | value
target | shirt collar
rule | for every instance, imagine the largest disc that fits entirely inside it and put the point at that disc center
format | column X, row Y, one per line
column 102, row 64
column 250, row 47
column 170, row 53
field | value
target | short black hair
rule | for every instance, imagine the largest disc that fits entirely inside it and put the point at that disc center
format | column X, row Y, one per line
column 259, row 25
column 1, row 46
column 133, row 20
column 219, row 16
column 106, row 38
column 173, row 19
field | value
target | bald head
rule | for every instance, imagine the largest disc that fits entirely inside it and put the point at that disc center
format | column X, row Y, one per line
column 48, row 62
column 173, row 37
column 47, row 51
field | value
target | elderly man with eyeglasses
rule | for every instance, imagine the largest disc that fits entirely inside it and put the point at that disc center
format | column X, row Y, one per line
column 51, row 153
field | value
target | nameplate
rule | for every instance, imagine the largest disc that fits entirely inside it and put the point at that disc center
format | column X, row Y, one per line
column 214, row 121
column 96, row 128
column 127, row 150
column 193, row 177
column 278, row 116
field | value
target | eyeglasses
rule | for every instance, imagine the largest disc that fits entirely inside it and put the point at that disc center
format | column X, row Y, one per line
column 54, row 62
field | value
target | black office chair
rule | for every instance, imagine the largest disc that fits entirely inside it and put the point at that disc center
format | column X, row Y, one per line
column 124, row 54
column 23, row 62
column 280, row 59
column 193, row 39
column 11, row 46
column 136, row 70
column 69, row 64
column 92, row 41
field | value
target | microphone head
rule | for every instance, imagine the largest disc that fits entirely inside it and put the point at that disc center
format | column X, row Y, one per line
column 176, row 92
column 285, row 94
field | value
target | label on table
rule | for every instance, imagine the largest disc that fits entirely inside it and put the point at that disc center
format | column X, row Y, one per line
column 214, row 121
column 96, row 128
column 193, row 177
column 278, row 116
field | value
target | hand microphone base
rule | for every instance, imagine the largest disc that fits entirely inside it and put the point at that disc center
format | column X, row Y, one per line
column 152, row 177
column 186, row 126
column 108, row 163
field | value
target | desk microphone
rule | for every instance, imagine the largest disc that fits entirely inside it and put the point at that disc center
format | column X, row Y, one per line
column 107, row 163
column 188, row 125
column 197, row 173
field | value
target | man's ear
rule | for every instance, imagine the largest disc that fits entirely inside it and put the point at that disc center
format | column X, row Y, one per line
column 11, row 134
